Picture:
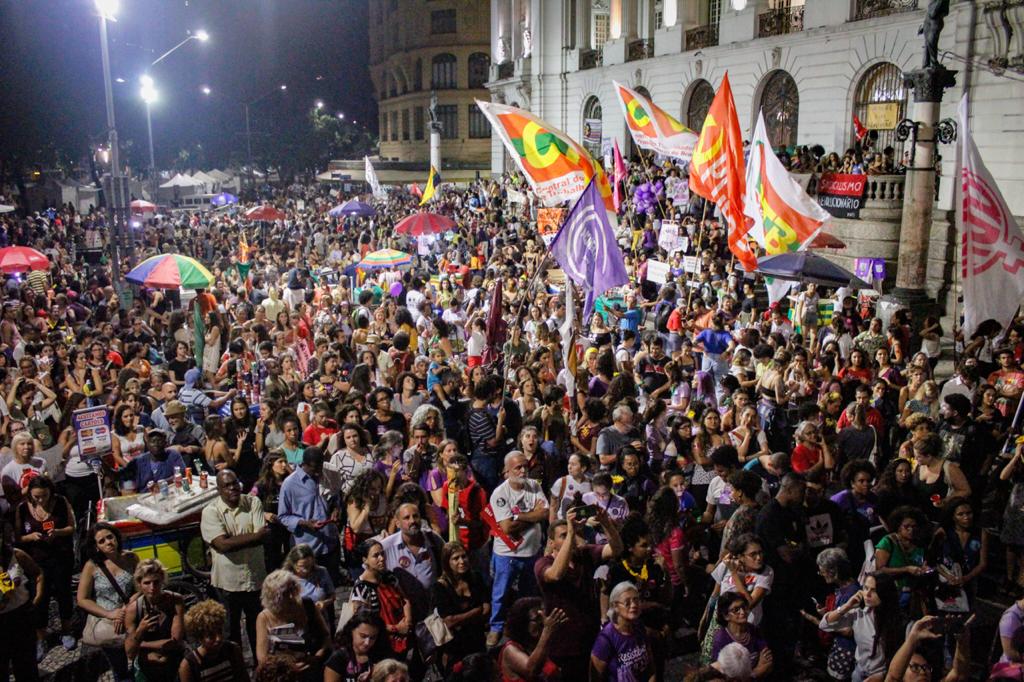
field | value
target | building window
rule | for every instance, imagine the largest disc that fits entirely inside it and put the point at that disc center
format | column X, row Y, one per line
column 384, row 78
column 479, row 65
column 443, row 74
column 442, row 21
column 701, row 96
column 417, row 76
column 448, row 116
column 714, row 12
column 780, row 102
column 417, row 123
column 880, row 101
column 383, row 127
column 405, row 125
column 602, row 29
column 394, row 126
column 592, row 126
column 479, row 126
column 392, row 85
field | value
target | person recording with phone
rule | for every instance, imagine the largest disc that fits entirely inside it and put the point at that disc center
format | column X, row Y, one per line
column 916, row 661
column 155, row 625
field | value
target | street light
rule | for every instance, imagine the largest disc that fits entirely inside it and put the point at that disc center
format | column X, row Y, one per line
column 201, row 36
column 149, row 95
column 319, row 104
column 206, row 90
column 248, row 131
column 341, row 116
column 108, row 10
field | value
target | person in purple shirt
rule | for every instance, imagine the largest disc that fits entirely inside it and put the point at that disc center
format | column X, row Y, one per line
column 156, row 464
column 731, row 613
column 621, row 652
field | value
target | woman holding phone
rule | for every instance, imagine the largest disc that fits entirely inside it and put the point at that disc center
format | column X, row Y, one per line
column 155, row 624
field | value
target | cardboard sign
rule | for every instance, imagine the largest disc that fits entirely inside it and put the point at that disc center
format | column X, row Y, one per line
column 690, row 264
column 669, row 237
column 92, row 430
column 842, row 195
column 657, row 271
column 882, row 116
column 515, row 196
column 549, row 220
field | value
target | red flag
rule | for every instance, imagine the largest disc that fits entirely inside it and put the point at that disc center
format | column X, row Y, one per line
column 496, row 327
column 859, row 128
column 717, row 170
column 618, row 174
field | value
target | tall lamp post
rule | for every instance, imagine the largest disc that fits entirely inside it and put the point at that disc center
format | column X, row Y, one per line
column 116, row 195
column 248, row 130
column 149, row 95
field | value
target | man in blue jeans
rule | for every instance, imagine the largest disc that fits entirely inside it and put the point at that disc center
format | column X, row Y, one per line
column 519, row 508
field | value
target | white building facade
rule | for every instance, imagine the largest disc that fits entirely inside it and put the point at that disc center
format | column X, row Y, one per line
column 810, row 65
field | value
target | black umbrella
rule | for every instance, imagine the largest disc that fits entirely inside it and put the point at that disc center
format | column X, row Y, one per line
column 805, row 266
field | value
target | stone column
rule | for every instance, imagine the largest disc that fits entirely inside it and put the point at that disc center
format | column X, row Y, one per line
column 583, row 21
column 919, row 194
column 515, row 30
column 630, row 19
column 435, row 148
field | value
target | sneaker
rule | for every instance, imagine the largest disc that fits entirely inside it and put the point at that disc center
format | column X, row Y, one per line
column 40, row 651
column 493, row 637
column 69, row 642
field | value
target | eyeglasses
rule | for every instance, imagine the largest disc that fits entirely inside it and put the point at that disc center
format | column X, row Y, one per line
column 738, row 609
column 920, row 668
column 632, row 601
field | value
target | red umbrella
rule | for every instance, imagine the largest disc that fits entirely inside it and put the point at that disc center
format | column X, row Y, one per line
column 140, row 206
column 827, row 241
column 21, row 258
column 424, row 223
column 265, row 212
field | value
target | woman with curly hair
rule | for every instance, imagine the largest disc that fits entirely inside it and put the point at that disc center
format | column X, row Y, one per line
column 367, row 508
column 428, row 415
column 213, row 659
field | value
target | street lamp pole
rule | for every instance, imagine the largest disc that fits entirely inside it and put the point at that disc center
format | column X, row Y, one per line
column 149, row 95
column 114, row 196
column 248, row 129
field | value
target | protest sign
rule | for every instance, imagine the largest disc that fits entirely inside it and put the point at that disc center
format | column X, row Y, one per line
column 92, row 430
column 669, row 238
column 842, row 194
column 548, row 222
column 657, row 271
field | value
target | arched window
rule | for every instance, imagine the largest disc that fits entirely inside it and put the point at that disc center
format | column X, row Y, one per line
column 392, row 85
column 385, row 83
column 479, row 64
column 780, row 103
column 443, row 74
column 417, row 76
column 881, row 91
column 698, row 103
column 643, row 91
column 592, row 125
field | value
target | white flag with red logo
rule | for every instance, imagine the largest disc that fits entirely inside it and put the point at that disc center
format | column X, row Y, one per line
column 993, row 245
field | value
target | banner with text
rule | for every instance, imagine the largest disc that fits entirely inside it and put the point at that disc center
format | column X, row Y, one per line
column 548, row 222
column 842, row 194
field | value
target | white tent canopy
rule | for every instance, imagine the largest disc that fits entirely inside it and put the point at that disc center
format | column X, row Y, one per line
column 219, row 175
column 180, row 180
column 205, row 179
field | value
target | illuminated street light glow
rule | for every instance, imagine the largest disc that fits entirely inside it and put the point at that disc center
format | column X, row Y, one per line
column 341, row 116
column 284, row 87
column 739, row 5
column 319, row 104
column 108, row 9
column 202, row 36
column 206, row 90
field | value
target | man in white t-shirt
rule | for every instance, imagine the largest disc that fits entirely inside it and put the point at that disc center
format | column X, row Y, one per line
column 519, row 506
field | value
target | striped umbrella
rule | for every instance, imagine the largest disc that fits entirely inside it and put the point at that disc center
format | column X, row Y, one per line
column 385, row 258
column 170, row 271
column 424, row 223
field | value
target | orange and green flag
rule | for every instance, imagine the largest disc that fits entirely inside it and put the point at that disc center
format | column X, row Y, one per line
column 652, row 127
column 784, row 217
column 557, row 167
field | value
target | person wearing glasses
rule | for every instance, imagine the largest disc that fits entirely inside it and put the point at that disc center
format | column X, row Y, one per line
column 235, row 528
column 731, row 614
column 622, row 650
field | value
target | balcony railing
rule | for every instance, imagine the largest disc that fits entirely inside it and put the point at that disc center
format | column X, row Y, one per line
column 780, row 21
column 868, row 9
column 702, row 36
column 881, row 191
column 591, row 59
column 640, row 49
column 506, row 70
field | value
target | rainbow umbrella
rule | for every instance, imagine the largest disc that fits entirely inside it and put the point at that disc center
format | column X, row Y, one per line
column 170, row 271
column 385, row 258
column 21, row 258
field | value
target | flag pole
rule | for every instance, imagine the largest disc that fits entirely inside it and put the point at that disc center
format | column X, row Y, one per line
column 700, row 240
column 524, row 296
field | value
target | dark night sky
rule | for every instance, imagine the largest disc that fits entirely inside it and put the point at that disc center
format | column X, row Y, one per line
column 51, row 79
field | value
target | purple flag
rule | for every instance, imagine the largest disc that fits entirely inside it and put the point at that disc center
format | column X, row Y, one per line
column 586, row 249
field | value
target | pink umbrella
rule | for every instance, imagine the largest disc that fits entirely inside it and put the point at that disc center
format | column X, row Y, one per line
column 424, row 223
column 140, row 206
column 21, row 258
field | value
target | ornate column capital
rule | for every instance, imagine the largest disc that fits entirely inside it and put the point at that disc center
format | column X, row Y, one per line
column 929, row 83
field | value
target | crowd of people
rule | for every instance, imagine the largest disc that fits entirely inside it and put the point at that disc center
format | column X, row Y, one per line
column 766, row 490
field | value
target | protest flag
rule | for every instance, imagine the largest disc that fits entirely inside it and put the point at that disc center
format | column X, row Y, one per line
column 716, row 170
column 618, row 175
column 198, row 333
column 785, row 218
column 652, row 127
column 372, row 181
column 859, row 128
column 433, row 182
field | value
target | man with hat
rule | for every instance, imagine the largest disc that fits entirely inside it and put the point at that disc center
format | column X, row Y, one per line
column 186, row 437
column 195, row 399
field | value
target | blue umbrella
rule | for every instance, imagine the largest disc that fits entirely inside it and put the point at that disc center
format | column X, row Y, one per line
column 806, row 266
column 353, row 207
column 223, row 199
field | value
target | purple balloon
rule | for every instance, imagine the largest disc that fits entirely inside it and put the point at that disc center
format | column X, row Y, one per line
column 396, row 289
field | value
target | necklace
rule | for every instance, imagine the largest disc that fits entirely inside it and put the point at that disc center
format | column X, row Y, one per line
column 641, row 576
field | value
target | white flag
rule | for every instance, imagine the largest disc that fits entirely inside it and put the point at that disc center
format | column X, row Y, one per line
column 992, row 259
column 371, row 178
column 568, row 345
column 785, row 218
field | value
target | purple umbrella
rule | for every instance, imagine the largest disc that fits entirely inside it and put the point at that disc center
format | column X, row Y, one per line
column 353, row 207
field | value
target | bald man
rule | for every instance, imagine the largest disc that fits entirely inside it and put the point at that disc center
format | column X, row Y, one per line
column 168, row 392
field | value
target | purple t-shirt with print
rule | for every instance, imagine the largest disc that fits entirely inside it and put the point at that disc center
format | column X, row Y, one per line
column 628, row 658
